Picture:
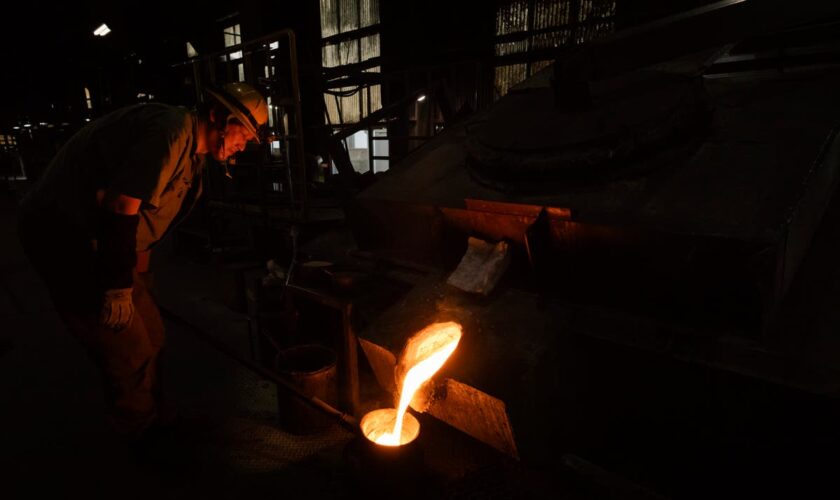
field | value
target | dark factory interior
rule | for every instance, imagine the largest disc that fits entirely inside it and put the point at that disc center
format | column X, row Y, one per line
column 572, row 249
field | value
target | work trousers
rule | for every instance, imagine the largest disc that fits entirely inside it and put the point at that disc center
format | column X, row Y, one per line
column 128, row 358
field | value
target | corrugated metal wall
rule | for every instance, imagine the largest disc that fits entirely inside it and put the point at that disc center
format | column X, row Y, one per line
column 554, row 23
column 343, row 16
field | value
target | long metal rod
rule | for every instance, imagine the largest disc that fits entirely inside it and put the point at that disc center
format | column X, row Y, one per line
column 348, row 421
column 301, row 153
column 375, row 117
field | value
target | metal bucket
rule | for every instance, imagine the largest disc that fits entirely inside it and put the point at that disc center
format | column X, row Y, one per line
column 313, row 369
column 388, row 471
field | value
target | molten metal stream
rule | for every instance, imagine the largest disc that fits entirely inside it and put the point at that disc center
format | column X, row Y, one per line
column 426, row 353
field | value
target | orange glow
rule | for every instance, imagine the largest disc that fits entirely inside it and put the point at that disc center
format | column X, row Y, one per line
column 425, row 354
column 376, row 424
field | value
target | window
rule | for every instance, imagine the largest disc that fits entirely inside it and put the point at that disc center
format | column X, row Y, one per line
column 350, row 45
column 233, row 35
column 525, row 27
column 358, row 20
column 357, row 147
column 191, row 52
column 381, row 160
column 88, row 100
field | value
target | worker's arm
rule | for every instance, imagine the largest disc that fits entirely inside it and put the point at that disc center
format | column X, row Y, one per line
column 149, row 165
column 118, row 203
column 117, row 255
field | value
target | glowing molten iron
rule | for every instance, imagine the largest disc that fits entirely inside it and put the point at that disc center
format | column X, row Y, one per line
column 424, row 353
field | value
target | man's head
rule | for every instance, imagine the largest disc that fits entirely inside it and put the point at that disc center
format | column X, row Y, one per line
column 235, row 116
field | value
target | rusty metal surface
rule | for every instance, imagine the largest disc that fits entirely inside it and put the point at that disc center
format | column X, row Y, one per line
column 489, row 225
column 461, row 405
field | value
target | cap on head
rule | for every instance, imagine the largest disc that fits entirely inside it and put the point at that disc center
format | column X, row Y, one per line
column 245, row 103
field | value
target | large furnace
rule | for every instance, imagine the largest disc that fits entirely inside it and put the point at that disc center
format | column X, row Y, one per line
column 657, row 202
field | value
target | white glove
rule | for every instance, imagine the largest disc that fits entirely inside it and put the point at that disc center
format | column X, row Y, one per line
column 117, row 308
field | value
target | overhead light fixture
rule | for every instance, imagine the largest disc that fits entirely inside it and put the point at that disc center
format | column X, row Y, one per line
column 27, row 125
column 16, row 127
column 102, row 30
column 421, row 98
